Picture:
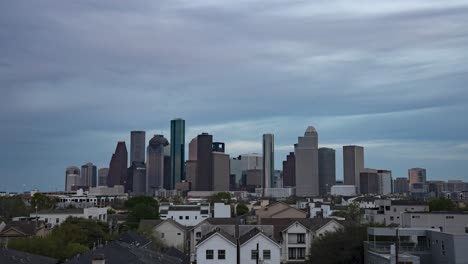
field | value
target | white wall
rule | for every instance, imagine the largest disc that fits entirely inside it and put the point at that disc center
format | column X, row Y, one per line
column 222, row 210
column 215, row 243
column 170, row 235
column 263, row 244
column 194, row 217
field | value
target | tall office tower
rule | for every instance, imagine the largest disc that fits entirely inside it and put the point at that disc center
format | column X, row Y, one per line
column 307, row 166
column 268, row 160
column 369, row 181
column 118, row 166
column 235, row 172
column 155, row 164
column 102, row 176
column 435, row 188
column 137, row 146
column 177, row 151
column 137, row 176
column 416, row 175
column 72, row 178
column 167, row 172
column 191, row 164
column 89, row 175
column 353, row 163
column 327, row 170
column 220, row 171
column 385, row 182
column 251, row 161
column 193, row 149
column 400, row 185
column 204, row 175
column 289, row 170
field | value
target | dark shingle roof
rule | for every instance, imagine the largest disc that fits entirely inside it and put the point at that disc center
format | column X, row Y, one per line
column 220, row 232
column 280, row 224
column 133, row 238
column 27, row 228
column 10, row 256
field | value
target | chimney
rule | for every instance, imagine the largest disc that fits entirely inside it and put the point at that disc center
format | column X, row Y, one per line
column 99, row 259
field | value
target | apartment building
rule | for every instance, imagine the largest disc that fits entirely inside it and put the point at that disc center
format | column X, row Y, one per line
column 389, row 212
column 455, row 223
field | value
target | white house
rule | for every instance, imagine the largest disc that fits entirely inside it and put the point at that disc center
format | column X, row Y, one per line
column 170, row 233
column 217, row 247
column 256, row 244
column 58, row 216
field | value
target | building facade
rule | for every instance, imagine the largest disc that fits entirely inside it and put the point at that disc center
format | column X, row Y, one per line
column 327, row 170
column 177, row 151
column 137, row 146
column 155, row 163
column 307, row 164
column 89, row 175
column 268, row 160
column 118, row 166
column 353, row 163
column 72, row 177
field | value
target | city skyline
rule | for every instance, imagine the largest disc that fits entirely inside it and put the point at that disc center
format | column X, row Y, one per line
column 386, row 76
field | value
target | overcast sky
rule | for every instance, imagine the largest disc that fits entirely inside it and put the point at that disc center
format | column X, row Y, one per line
column 78, row 76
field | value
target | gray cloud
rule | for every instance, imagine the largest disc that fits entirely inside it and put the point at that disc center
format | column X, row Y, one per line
column 77, row 76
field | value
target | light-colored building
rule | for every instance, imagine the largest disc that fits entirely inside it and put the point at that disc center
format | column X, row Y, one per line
column 385, row 182
column 217, row 247
column 186, row 215
column 256, row 247
column 102, row 176
column 169, row 232
column 353, row 163
column 416, row 175
column 220, row 171
column 343, row 190
column 72, row 178
column 279, row 210
column 58, row 216
column 307, row 170
column 89, row 175
column 390, row 211
column 284, row 192
column 455, row 223
column 221, row 210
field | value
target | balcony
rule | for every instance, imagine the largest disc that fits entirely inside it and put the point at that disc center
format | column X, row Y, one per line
column 383, row 247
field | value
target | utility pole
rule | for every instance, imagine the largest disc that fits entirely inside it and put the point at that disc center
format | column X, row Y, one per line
column 397, row 244
column 258, row 253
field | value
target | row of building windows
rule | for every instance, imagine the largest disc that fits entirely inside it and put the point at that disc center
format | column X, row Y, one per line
column 210, row 254
column 266, row 254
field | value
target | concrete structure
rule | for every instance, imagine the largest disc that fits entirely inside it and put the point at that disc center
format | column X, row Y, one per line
column 307, row 166
column 101, row 196
column 243, row 163
column 343, row 190
column 284, row 192
column 137, row 174
column 390, row 211
column 416, row 175
column 353, row 163
column 369, row 181
column 191, row 173
column 58, row 216
column 256, row 247
column 221, row 210
column 268, row 160
column 155, row 163
column 186, row 215
column 327, row 170
column 204, row 175
column 89, row 175
column 177, row 151
column 137, row 146
column 385, row 182
column 72, row 178
column 102, row 176
column 401, row 185
column 217, row 247
column 118, row 166
column 220, row 171
column 416, row 245
column 289, row 170
column 235, row 172
column 455, row 223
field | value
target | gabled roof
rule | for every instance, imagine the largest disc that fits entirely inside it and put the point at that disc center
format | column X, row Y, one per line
column 282, row 224
column 10, row 256
column 219, row 232
column 24, row 228
column 157, row 222
column 254, row 233
column 134, row 239
column 289, row 207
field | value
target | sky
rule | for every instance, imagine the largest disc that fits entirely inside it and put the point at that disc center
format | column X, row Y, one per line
column 78, row 76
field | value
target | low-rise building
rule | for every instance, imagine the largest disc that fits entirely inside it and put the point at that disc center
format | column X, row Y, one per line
column 217, row 247
column 187, row 214
column 21, row 229
column 279, row 210
column 58, row 216
column 455, row 223
column 256, row 247
column 343, row 190
column 389, row 212
column 169, row 232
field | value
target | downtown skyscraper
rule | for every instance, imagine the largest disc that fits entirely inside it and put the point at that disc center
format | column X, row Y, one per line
column 327, row 170
column 268, row 160
column 353, row 163
column 137, row 146
column 307, row 164
column 118, row 166
column 155, row 163
column 177, row 151
column 89, row 175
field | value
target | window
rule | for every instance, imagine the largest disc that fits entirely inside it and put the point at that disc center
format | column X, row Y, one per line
column 196, row 217
column 466, row 230
column 253, row 254
column 198, row 235
column 181, row 217
column 387, row 208
column 209, row 254
column 187, row 217
column 162, row 235
column 394, row 209
column 57, row 220
column 266, row 254
column 221, row 254
column 415, row 216
column 296, row 253
column 300, row 238
column 178, row 234
column 450, row 217
column 391, row 218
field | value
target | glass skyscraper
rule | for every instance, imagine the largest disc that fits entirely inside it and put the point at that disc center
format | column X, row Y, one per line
column 177, row 151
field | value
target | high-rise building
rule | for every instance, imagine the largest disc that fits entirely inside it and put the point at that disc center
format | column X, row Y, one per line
column 137, row 176
column 327, row 170
column 307, row 165
column 268, row 160
column 118, row 166
column 353, row 163
column 235, row 172
column 218, row 147
column 204, row 175
column 102, row 176
column 385, row 182
column 137, row 146
column 89, row 175
column 369, row 181
column 220, row 171
column 193, row 149
column 416, row 175
column 400, row 185
column 177, row 151
column 72, row 177
column 289, row 170
column 155, row 163
column 167, row 172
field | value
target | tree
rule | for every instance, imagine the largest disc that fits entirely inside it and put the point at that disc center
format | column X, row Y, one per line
column 352, row 213
column 221, row 197
column 12, row 207
column 241, row 209
column 141, row 207
column 441, row 204
column 340, row 247
column 42, row 201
